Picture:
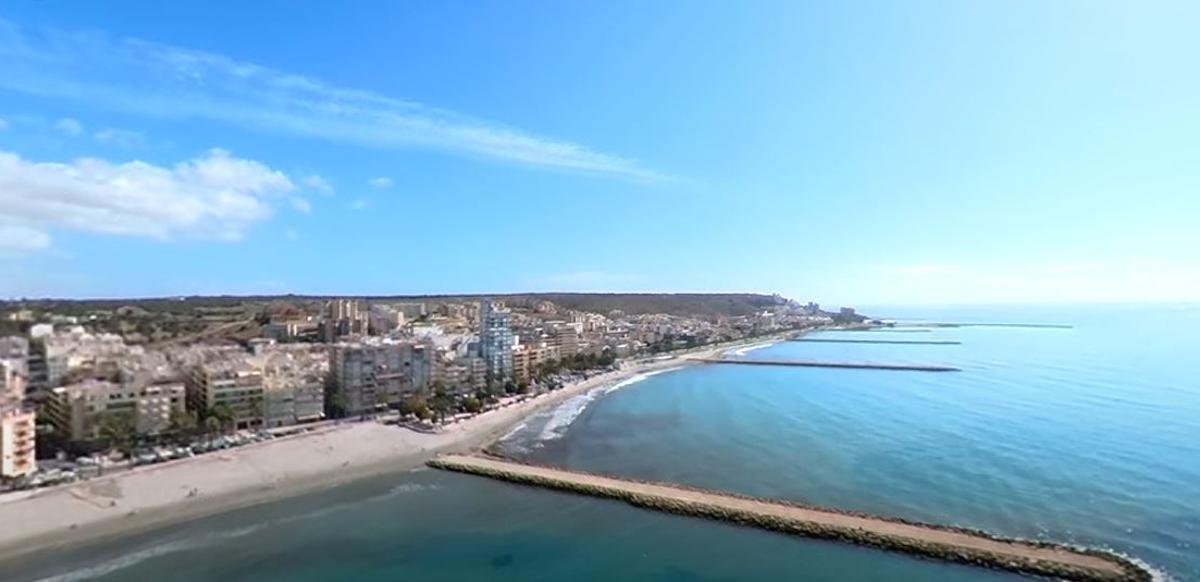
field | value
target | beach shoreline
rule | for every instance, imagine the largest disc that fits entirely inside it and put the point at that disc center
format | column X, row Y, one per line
column 154, row 496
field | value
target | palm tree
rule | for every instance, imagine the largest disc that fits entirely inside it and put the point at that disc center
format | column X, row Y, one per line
column 118, row 430
column 212, row 425
column 441, row 403
column 223, row 415
column 183, row 425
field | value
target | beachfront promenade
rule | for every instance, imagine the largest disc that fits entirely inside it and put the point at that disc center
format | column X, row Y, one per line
column 830, row 364
column 940, row 542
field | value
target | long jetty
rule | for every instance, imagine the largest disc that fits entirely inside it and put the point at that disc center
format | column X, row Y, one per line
column 876, row 341
column 890, row 329
column 990, row 324
column 948, row 543
column 831, row 364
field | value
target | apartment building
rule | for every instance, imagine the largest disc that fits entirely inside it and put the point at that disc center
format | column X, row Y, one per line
column 365, row 377
column 527, row 357
column 17, row 442
column 77, row 410
column 293, row 386
column 235, row 384
column 17, row 424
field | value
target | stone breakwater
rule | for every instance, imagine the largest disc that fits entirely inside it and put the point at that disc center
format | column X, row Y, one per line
column 948, row 543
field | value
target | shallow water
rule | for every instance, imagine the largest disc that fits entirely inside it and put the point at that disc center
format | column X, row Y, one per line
column 1089, row 435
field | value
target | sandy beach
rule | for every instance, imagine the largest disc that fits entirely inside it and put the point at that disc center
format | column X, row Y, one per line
column 157, row 495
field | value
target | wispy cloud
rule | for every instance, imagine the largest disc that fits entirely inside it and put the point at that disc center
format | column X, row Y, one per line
column 69, row 127
column 301, row 204
column 381, row 182
column 16, row 239
column 214, row 196
column 3, row 124
column 119, row 137
column 146, row 78
column 317, row 183
column 359, row 204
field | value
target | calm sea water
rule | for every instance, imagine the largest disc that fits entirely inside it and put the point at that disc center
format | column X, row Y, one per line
column 1088, row 435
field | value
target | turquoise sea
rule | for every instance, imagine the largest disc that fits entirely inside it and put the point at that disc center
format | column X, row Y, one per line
column 1088, row 435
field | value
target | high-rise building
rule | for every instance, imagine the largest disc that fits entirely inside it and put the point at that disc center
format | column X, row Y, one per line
column 495, row 341
column 365, row 377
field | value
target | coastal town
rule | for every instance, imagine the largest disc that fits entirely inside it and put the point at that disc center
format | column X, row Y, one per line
column 91, row 389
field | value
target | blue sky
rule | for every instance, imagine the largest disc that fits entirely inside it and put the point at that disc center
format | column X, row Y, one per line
column 846, row 152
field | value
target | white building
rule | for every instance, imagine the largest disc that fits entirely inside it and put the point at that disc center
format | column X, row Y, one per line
column 17, row 424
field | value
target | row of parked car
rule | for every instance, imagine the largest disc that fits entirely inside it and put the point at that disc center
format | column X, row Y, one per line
column 55, row 472
column 163, row 453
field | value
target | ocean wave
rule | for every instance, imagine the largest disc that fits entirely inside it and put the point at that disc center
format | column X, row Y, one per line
column 747, row 349
column 134, row 558
column 638, row 378
column 567, row 412
column 408, row 488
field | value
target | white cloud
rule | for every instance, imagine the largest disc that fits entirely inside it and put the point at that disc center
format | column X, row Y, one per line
column 119, row 137
column 215, row 196
column 291, row 234
column 301, row 204
column 381, row 182
column 317, row 183
column 18, row 239
column 145, row 78
column 68, row 127
column 3, row 124
column 359, row 204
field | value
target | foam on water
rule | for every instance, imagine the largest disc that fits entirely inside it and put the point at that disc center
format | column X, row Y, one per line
column 569, row 410
column 135, row 558
column 197, row 542
column 747, row 349
column 554, row 424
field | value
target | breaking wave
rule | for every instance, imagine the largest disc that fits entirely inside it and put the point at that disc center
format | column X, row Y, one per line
column 747, row 349
column 200, row 541
column 539, row 428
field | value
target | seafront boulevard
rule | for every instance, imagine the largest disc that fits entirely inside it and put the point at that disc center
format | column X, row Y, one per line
column 158, row 495
column 934, row 541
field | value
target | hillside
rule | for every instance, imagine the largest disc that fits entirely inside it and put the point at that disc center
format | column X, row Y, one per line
column 691, row 304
